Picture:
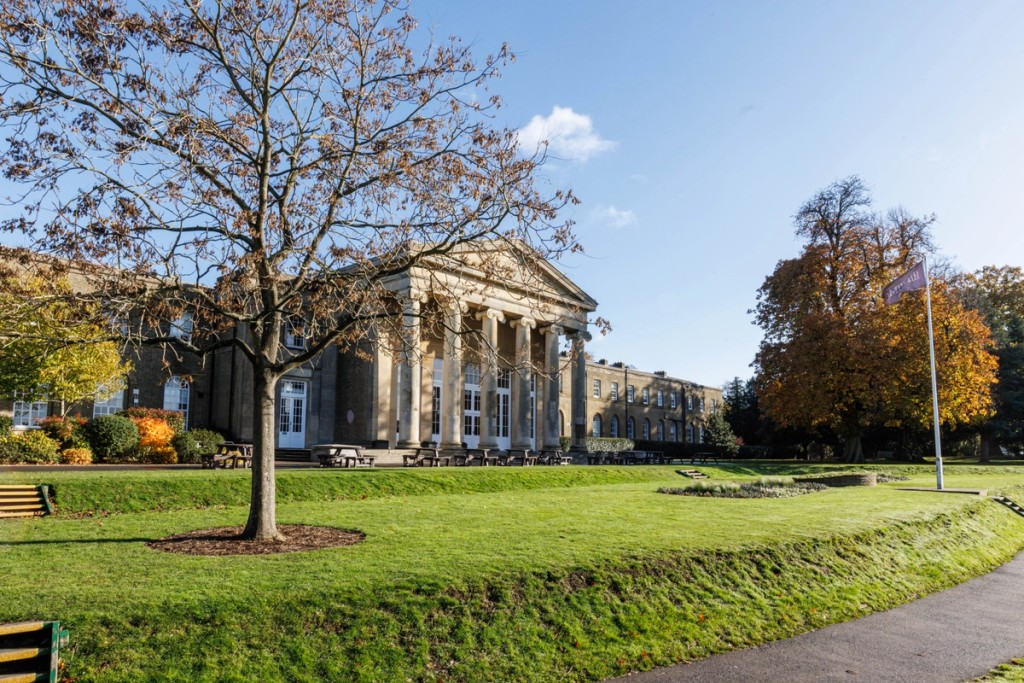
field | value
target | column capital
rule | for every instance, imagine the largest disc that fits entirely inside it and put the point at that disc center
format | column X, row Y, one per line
column 416, row 295
column 490, row 314
column 529, row 323
column 554, row 329
column 456, row 306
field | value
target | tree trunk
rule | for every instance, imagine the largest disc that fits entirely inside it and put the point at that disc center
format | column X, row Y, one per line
column 986, row 448
column 262, row 522
column 853, row 451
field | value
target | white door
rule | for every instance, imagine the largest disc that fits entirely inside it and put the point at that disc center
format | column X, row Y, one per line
column 504, row 408
column 291, row 431
column 471, row 407
column 435, row 402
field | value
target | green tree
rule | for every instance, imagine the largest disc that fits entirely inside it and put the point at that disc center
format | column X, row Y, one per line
column 719, row 434
column 262, row 162
column 52, row 349
column 742, row 411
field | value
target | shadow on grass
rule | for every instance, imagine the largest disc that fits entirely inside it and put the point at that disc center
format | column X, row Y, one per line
column 77, row 541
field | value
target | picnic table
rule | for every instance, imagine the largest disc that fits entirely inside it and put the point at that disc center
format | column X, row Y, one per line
column 599, row 458
column 425, row 456
column 229, row 454
column 342, row 455
column 635, row 457
column 523, row 455
column 553, row 457
column 470, row 454
column 703, row 457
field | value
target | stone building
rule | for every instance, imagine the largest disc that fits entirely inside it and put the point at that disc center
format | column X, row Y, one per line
column 474, row 360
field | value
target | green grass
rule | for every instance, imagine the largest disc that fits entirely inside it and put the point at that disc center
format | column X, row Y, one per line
column 1011, row 672
column 480, row 575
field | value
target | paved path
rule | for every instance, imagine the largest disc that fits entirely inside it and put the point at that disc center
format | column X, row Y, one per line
column 952, row 636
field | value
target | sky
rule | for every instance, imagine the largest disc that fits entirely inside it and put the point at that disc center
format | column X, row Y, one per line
column 693, row 131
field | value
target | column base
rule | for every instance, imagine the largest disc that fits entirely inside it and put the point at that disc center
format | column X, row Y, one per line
column 408, row 444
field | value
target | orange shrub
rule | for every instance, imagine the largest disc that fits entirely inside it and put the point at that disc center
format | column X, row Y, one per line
column 75, row 456
column 163, row 455
column 153, row 433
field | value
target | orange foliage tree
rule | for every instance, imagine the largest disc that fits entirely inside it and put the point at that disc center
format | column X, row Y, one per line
column 835, row 357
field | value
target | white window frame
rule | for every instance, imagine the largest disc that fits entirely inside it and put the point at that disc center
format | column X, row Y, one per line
column 615, row 391
column 596, row 426
column 597, row 388
column 613, row 427
column 661, row 398
column 659, row 431
column 689, row 403
column 673, row 431
column 293, row 340
column 180, row 397
column 646, row 429
column 110, row 406
column 645, row 396
column 673, row 400
column 702, row 404
column 630, row 393
column 183, row 327
column 630, row 427
column 26, row 414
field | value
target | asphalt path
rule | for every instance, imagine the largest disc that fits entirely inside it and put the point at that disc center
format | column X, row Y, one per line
column 953, row 636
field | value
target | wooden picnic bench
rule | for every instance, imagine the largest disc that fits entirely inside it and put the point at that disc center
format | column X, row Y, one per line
column 553, row 457
column 228, row 454
column 523, row 455
column 342, row 455
column 703, row 457
column 468, row 455
column 425, row 456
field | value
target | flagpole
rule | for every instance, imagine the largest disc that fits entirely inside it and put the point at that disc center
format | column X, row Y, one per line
column 935, row 386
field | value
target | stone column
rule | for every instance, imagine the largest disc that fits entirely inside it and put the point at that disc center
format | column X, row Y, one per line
column 489, row 377
column 522, row 416
column 411, row 372
column 579, row 388
column 548, row 433
column 452, row 384
column 383, row 426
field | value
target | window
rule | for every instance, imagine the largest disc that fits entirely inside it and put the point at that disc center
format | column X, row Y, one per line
column 597, row 388
column 700, row 434
column 630, row 428
column 660, row 433
column 673, row 432
column 294, row 334
column 714, row 406
column 647, row 395
column 435, row 411
column 176, row 396
column 661, row 398
column 471, row 401
column 615, row 391
column 597, row 426
column 689, row 433
column 673, row 400
column 182, row 327
column 109, row 406
column 702, row 404
column 27, row 413
column 647, row 429
column 629, row 393
column 613, row 427
column 689, row 402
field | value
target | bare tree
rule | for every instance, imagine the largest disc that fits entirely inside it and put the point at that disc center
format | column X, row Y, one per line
column 257, row 162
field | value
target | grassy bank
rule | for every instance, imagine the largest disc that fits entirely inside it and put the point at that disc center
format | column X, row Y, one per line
column 521, row 579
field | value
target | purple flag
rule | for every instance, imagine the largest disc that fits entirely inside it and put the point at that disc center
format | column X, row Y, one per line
column 915, row 278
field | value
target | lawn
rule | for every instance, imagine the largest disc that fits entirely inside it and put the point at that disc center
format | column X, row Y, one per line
column 479, row 574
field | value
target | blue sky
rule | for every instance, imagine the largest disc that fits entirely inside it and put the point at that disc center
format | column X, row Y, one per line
column 693, row 131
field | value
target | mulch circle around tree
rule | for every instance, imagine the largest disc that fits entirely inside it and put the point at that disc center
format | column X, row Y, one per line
column 228, row 541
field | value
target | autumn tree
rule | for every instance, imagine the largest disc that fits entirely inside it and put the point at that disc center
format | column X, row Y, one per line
column 998, row 294
column 260, row 162
column 834, row 357
column 51, row 350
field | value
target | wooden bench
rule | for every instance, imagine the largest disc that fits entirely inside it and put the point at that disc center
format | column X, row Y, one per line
column 228, row 454
column 702, row 458
column 425, row 456
column 553, row 457
column 342, row 455
column 468, row 455
column 523, row 455
column 30, row 650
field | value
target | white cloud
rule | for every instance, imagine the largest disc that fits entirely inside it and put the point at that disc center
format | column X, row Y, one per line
column 569, row 135
column 616, row 218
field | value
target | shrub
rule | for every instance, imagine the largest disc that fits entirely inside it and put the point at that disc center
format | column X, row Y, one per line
column 767, row 487
column 28, row 447
column 75, row 456
column 112, row 437
column 66, row 431
column 605, row 445
column 565, row 443
column 186, row 446
column 6, row 424
column 207, row 440
column 154, row 432
column 174, row 418
column 161, row 455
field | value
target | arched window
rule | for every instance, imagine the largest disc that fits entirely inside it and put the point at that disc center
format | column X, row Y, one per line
column 176, row 396
column 700, row 434
column 630, row 428
column 660, row 430
column 689, row 433
column 673, row 432
column 613, row 427
column 647, row 429
column 597, row 426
